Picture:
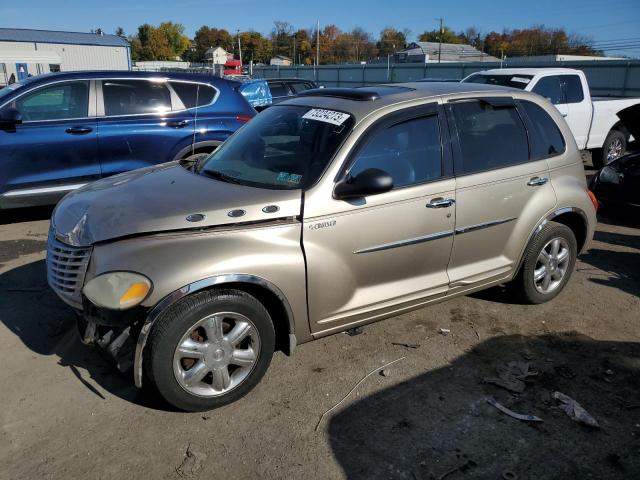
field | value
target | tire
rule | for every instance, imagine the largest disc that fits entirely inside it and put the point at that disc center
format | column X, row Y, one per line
column 204, row 324
column 532, row 291
column 614, row 146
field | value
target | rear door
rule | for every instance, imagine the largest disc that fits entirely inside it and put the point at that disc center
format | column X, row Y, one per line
column 141, row 122
column 373, row 256
column 501, row 190
column 279, row 91
column 54, row 150
column 580, row 108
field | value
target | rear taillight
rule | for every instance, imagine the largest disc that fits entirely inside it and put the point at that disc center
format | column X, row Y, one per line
column 593, row 199
column 243, row 118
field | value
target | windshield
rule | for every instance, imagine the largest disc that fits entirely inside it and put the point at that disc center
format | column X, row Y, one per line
column 515, row 81
column 283, row 148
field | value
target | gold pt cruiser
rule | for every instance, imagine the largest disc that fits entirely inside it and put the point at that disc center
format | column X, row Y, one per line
column 328, row 211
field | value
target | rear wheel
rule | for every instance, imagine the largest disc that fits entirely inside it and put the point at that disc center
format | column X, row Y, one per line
column 548, row 263
column 615, row 145
column 210, row 349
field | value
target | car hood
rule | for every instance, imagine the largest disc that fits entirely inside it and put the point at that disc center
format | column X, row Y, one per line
column 159, row 199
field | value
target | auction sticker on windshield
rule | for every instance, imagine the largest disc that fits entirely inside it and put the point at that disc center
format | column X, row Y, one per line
column 328, row 116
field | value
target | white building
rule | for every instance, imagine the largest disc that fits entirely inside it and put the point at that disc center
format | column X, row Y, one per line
column 430, row 52
column 25, row 52
column 281, row 60
column 216, row 56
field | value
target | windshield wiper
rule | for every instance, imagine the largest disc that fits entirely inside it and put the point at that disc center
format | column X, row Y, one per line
column 215, row 174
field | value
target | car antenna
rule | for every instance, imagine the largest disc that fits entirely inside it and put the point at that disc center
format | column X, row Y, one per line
column 195, row 122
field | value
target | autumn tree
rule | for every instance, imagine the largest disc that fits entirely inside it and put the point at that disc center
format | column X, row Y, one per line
column 206, row 38
column 390, row 41
column 166, row 42
column 447, row 35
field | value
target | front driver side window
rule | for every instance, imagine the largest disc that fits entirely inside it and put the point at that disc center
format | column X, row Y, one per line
column 55, row 102
column 549, row 88
column 409, row 151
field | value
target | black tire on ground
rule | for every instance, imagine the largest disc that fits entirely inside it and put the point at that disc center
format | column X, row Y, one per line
column 600, row 157
column 165, row 335
column 523, row 285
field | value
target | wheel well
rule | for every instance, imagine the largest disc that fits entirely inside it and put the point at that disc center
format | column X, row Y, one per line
column 274, row 306
column 620, row 127
column 576, row 223
column 208, row 149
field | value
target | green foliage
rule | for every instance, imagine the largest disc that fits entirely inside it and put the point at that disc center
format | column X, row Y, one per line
column 165, row 42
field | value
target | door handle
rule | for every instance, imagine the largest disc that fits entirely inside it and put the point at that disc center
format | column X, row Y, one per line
column 537, row 181
column 177, row 123
column 441, row 202
column 78, row 130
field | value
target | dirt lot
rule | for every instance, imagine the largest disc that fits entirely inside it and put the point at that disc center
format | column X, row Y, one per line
column 67, row 414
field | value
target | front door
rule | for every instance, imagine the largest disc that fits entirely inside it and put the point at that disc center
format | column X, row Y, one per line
column 54, row 150
column 380, row 255
column 501, row 191
column 140, row 124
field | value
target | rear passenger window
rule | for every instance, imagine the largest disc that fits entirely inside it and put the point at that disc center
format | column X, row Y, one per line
column 409, row 151
column 130, row 97
column 546, row 139
column 549, row 88
column 278, row 90
column 298, row 87
column 188, row 92
column 572, row 88
column 490, row 137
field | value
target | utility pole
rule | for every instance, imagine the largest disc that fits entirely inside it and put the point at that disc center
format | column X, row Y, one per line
column 440, row 40
column 294, row 48
column 317, row 49
column 240, row 51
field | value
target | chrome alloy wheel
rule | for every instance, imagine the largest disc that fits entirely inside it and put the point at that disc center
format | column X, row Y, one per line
column 615, row 150
column 216, row 354
column 551, row 266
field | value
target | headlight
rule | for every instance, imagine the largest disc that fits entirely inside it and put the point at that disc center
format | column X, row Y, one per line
column 117, row 290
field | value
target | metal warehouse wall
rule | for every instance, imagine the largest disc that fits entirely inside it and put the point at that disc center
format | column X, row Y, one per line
column 614, row 78
column 74, row 57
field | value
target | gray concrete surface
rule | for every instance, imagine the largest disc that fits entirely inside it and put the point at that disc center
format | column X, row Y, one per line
column 65, row 412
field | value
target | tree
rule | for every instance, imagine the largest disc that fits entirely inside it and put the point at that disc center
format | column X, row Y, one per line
column 282, row 38
column 175, row 37
column 120, row 32
column 391, row 40
column 166, row 42
column 206, row 38
column 448, row 36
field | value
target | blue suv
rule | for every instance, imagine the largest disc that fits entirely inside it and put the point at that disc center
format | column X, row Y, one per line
column 61, row 131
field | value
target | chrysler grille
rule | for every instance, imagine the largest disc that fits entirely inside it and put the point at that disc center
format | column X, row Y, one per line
column 66, row 268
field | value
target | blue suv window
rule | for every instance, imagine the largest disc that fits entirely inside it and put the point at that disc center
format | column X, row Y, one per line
column 55, row 102
column 131, row 97
column 188, row 92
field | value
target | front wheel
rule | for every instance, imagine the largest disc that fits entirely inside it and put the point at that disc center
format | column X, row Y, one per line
column 615, row 145
column 548, row 263
column 209, row 349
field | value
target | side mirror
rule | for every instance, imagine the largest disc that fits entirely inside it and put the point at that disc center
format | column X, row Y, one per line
column 371, row 181
column 10, row 118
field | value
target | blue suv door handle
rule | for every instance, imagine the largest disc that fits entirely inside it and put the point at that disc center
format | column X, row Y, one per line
column 78, row 130
column 177, row 123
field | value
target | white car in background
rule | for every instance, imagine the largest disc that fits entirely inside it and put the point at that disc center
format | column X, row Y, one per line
column 601, row 125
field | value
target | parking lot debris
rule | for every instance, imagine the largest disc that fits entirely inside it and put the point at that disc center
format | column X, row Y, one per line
column 444, row 331
column 575, row 411
column 518, row 416
column 462, row 468
column 512, row 376
column 509, row 475
column 354, row 388
column 406, row 345
column 352, row 332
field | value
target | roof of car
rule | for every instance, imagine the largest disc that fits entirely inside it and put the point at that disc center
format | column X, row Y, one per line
column 527, row 71
column 125, row 74
column 361, row 101
column 289, row 79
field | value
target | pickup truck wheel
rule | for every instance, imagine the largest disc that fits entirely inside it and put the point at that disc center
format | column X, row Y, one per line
column 548, row 263
column 209, row 349
column 615, row 145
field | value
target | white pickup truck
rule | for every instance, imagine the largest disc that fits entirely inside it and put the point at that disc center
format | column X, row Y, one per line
column 602, row 125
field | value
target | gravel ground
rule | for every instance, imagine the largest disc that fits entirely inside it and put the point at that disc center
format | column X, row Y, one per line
column 66, row 413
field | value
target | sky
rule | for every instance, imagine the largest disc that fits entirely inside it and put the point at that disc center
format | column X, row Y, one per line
column 614, row 25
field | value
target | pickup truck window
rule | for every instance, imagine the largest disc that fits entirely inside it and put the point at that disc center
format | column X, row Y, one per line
column 284, row 148
column 489, row 137
column 55, row 102
column 549, row 88
column 546, row 139
column 572, row 87
column 409, row 151
column 131, row 97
